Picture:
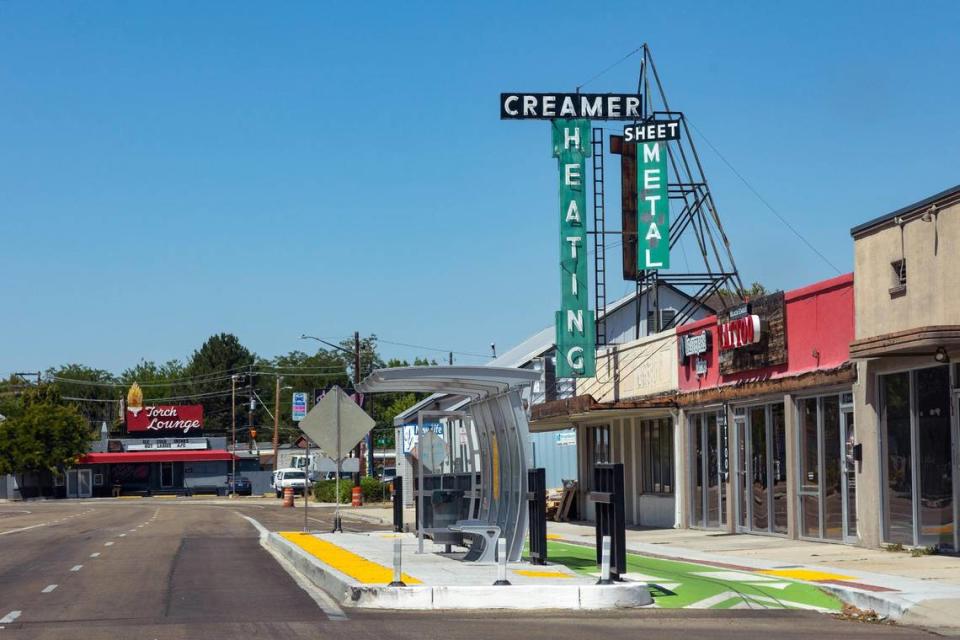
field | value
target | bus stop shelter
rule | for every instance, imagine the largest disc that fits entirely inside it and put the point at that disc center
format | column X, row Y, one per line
column 499, row 422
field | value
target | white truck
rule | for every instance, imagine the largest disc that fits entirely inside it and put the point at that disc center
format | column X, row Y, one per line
column 283, row 478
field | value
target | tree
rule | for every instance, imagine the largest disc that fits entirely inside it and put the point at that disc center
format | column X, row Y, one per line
column 210, row 369
column 157, row 381
column 43, row 435
column 95, row 391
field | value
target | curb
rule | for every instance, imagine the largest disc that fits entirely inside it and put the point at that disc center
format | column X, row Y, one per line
column 347, row 592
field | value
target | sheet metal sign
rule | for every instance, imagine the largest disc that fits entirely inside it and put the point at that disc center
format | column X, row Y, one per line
column 652, row 131
column 576, row 337
column 183, row 419
column 593, row 106
column 299, row 406
column 654, row 206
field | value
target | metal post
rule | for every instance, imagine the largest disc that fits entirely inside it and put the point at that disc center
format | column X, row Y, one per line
column 337, row 524
column 306, row 486
column 501, row 563
column 276, row 422
column 420, row 483
column 356, row 381
column 397, row 562
column 398, row 504
column 605, row 562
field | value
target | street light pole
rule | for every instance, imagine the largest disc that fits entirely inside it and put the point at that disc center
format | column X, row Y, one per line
column 276, row 422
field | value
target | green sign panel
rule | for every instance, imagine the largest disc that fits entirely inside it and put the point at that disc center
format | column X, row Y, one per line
column 653, row 206
column 576, row 337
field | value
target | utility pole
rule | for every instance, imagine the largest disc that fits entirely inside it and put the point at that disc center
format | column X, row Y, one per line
column 451, row 358
column 276, row 422
column 233, row 416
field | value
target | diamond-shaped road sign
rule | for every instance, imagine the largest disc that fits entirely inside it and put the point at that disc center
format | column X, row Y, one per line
column 434, row 450
column 320, row 425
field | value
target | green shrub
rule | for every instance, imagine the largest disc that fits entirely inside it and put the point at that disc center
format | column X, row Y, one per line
column 373, row 490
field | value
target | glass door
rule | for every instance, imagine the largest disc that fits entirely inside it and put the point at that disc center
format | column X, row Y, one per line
column 708, row 499
column 849, row 477
column 919, row 446
column 166, row 475
column 827, row 480
column 762, row 467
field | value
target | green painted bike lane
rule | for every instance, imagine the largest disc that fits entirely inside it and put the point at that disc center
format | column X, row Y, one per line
column 677, row 584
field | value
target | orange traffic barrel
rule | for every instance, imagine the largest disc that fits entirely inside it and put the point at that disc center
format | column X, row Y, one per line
column 356, row 497
column 288, row 496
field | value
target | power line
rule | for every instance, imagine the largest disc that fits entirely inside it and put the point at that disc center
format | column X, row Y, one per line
column 417, row 346
column 762, row 199
column 624, row 58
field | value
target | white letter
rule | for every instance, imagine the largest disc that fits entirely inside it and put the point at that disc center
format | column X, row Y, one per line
column 587, row 109
column 653, row 204
column 650, row 263
column 571, row 175
column 651, row 178
column 549, row 105
column 573, row 213
column 653, row 232
column 631, row 107
column 628, row 134
column 506, row 105
column 613, row 106
column 575, row 362
column 567, row 108
column 575, row 137
column 651, row 152
column 529, row 105
column 574, row 288
column 573, row 240
column 575, row 318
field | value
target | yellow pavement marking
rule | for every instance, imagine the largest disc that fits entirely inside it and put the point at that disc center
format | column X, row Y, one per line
column 391, row 535
column 344, row 561
column 554, row 536
column 130, row 497
column 166, row 497
column 541, row 574
column 809, row 575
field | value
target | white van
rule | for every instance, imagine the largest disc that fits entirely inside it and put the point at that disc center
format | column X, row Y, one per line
column 283, row 478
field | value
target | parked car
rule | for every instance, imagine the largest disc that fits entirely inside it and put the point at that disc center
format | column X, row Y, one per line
column 283, row 478
column 243, row 487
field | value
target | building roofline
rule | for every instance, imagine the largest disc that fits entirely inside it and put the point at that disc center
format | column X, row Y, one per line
column 910, row 208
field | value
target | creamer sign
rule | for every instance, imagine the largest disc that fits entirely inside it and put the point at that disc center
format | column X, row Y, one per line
column 180, row 419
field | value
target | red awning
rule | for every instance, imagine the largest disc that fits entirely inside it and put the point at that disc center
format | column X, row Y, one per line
column 128, row 457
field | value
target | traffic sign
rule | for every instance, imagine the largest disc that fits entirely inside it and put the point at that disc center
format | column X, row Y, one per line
column 336, row 418
column 299, row 406
column 434, row 450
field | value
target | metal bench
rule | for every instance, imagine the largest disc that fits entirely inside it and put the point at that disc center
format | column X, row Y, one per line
column 483, row 536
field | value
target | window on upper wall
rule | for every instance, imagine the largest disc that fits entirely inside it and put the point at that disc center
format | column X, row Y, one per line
column 899, row 284
column 656, row 450
column 667, row 316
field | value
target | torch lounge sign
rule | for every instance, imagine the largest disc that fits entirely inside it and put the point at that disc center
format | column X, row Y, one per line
column 184, row 419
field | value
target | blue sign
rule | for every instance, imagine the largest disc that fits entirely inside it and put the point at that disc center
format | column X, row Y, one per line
column 408, row 434
column 299, row 406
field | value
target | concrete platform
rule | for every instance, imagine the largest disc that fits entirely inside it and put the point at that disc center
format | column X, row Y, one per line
column 356, row 568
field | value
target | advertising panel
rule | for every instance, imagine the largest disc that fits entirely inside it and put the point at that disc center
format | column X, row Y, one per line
column 654, row 206
column 183, row 419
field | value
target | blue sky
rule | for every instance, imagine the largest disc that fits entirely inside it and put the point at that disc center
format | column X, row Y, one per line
column 171, row 170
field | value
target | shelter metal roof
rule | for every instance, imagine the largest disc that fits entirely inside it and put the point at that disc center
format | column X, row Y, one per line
column 475, row 382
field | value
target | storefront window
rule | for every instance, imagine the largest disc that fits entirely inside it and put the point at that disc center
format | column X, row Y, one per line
column 895, row 389
column 934, row 467
column 656, row 448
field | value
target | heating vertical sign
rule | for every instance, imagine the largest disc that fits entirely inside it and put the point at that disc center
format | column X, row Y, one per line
column 653, row 206
column 299, row 406
column 576, row 351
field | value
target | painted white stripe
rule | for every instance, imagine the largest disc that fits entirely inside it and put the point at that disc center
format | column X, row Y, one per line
column 122, row 535
column 95, row 555
column 33, row 526
column 10, row 617
column 787, row 603
column 733, row 576
column 49, row 588
column 107, row 544
column 133, row 530
column 770, row 585
column 714, row 600
column 76, row 567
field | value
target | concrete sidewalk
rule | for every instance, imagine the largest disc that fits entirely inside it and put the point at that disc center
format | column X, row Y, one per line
column 922, row 591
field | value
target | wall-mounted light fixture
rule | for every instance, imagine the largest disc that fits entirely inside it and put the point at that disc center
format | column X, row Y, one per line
column 941, row 355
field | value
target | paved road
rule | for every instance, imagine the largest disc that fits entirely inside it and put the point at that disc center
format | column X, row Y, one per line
column 194, row 569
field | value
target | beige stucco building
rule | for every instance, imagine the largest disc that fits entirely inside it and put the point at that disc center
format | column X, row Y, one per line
column 907, row 266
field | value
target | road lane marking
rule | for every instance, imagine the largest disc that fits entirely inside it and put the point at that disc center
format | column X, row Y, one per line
column 327, row 604
column 33, row 526
column 132, row 531
column 10, row 617
column 76, row 567
column 95, row 555
column 107, row 544
column 713, row 600
column 49, row 588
